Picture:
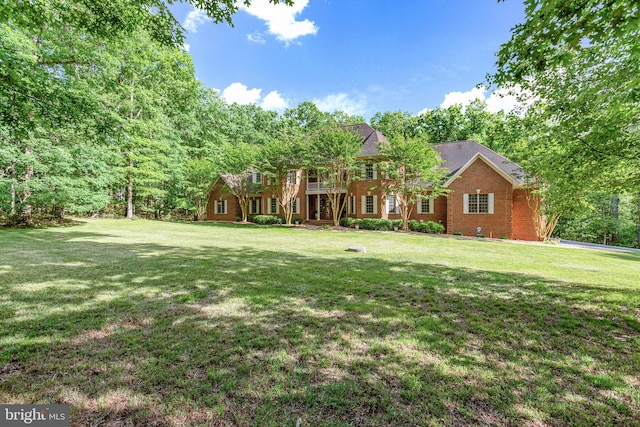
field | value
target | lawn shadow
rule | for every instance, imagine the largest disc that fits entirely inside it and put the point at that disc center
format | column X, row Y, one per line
column 147, row 334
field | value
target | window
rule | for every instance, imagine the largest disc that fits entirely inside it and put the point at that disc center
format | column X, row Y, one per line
column 255, row 178
column 351, row 205
column 425, row 206
column 273, row 206
column 478, row 203
column 293, row 177
column 221, row 207
column 392, row 205
column 369, row 171
column 254, row 206
column 296, row 206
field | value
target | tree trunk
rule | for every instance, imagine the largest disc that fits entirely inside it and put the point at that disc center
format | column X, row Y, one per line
column 639, row 220
column 130, row 194
column 26, row 214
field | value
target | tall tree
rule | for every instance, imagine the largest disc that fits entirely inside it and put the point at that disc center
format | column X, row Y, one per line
column 410, row 173
column 580, row 63
column 332, row 154
column 282, row 163
column 238, row 164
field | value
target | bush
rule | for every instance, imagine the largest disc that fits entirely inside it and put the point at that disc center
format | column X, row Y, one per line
column 347, row 221
column 267, row 219
column 376, row 224
column 457, row 233
column 294, row 219
column 430, row 227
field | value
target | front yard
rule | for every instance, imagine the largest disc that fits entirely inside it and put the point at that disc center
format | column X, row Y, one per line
column 150, row 323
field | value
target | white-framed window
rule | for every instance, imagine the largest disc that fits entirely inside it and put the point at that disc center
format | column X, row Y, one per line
column 293, row 177
column 221, row 207
column 369, row 205
column 392, row 205
column 479, row 203
column 425, row 206
column 255, row 177
column 273, row 206
column 351, row 205
column 296, row 206
column 369, row 171
column 254, row 206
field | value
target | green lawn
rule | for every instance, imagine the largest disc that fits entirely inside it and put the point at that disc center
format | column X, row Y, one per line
column 152, row 323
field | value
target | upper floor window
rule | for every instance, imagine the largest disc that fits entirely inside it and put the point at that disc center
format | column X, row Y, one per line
column 369, row 171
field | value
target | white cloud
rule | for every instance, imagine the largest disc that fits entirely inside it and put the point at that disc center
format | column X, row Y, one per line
column 499, row 100
column 239, row 93
column 194, row 19
column 504, row 100
column 463, row 98
column 274, row 101
column 281, row 19
column 256, row 38
column 342, row 102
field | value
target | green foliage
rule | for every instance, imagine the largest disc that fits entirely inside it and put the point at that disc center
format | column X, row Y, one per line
column 430, row 227
column 267, row 220
column 410, row 172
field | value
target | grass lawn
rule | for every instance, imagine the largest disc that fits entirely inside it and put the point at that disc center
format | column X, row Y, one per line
column 149, row 323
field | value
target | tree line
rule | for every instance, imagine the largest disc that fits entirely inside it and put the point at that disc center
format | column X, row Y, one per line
column 100, row 114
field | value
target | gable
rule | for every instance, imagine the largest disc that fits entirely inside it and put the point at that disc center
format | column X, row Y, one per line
column 481, row 158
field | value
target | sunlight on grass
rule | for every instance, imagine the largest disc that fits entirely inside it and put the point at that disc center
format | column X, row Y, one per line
column 204, row 324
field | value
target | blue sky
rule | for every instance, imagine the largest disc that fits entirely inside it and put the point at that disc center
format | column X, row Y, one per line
column 359, row 56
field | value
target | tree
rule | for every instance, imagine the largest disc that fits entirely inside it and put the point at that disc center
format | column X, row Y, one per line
column 411, row 173
column 579, row 62
column 282, row 163
column 332, row 154
column 238, row 164
column 108, row 19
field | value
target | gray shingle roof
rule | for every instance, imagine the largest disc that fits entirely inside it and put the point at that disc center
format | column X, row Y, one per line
column 457, row 154
column 370, row 136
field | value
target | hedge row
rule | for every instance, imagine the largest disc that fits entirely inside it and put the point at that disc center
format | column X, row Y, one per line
column 426, row 227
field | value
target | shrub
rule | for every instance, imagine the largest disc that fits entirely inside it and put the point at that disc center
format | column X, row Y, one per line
column 294, row 219
column 376, row 224
column 457, row 233
column 479, row 235
column 267, row 219
column 347, row 221
column 430, row 227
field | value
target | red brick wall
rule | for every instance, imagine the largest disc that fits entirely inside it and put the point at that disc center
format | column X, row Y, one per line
column 439, row 212
column 480, row 175
column 523, row 227
column 233, row 207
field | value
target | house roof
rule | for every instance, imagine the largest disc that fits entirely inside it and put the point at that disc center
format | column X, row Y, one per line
column 370, row 138
column 457, row 156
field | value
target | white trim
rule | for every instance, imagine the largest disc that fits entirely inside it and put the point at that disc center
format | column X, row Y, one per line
column 490, row 204
column 465, row 201
column 396, row 208
column 492, row 165
column 431, row 206
column 224, row 207
column 270, row 206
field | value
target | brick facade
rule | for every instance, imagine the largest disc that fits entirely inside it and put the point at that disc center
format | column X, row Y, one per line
column 482, row 198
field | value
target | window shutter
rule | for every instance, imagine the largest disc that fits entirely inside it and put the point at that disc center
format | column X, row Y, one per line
column 466, row 204
column 375, row 171
column 419, row 203
column 363, row 205
column 431, row 206
column 490, row 203
column 375, row 205
column 363, row 171
column 269, row 206
column 296, row 207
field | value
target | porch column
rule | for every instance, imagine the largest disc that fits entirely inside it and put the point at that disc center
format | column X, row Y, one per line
column 318, row 207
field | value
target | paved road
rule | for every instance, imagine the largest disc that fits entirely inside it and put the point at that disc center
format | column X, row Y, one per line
column 597, row 246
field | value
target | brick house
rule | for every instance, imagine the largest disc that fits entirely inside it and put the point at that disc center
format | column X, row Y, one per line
column 486, row 195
